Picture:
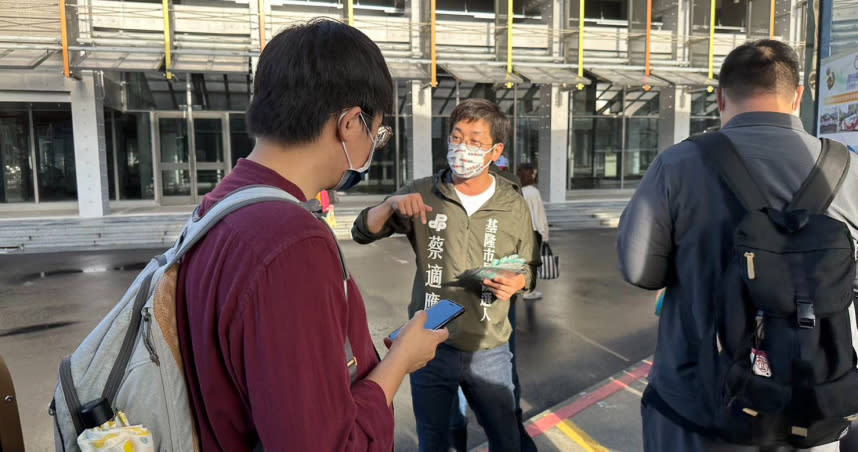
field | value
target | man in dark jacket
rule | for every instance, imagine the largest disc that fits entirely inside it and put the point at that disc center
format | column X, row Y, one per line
column 674, row 231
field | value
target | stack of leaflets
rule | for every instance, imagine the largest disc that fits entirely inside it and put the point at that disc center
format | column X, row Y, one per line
column 505, row 267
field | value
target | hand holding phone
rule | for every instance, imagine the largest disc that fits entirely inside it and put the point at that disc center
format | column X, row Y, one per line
column 415, row 343
column 438, row 316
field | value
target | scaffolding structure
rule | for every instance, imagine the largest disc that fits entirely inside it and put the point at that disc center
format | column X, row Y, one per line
column 225, row 36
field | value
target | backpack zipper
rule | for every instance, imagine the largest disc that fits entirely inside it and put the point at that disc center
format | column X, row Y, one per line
column 147, row 338
column 749, row 260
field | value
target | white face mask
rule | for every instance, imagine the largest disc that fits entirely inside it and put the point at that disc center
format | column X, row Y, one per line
column 466, row 161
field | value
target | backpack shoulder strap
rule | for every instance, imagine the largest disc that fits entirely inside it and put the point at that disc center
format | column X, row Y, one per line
column 818, row 190
column 197, row 227
column 719, row 150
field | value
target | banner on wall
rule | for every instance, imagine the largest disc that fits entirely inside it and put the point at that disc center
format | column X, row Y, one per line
column 838, row 99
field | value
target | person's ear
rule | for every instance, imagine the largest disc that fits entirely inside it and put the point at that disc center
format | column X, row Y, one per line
column 498, row 152
column 722, row 100
column 799, row 93
column 349, row 124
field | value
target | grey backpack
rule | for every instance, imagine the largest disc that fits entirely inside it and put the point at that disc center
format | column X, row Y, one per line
column 131, row 362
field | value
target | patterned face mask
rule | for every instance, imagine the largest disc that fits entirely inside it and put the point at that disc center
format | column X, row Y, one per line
column 467, row 161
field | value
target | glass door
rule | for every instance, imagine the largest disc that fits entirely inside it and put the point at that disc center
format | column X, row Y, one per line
column 210, row 143
column 177, row 187
column 186, row 175
column 16, row 183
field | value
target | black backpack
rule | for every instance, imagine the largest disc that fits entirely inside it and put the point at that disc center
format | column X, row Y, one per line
column 778, row 366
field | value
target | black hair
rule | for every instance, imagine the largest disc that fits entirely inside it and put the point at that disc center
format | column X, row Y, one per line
column 527, row 174
column 476, row 109
column 764, row 66
column 311, row 72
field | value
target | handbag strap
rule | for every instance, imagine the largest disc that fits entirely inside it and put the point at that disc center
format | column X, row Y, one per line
column 546, row 249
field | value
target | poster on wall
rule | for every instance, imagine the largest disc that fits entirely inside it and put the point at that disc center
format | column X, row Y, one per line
column 838, row 99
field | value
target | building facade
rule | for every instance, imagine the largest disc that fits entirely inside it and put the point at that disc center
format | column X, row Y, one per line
column 107, row 103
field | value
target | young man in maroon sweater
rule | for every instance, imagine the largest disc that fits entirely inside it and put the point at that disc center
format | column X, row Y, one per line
column 263, row 313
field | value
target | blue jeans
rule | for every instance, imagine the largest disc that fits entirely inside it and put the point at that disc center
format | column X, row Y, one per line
column 486, row 380
column 458, row 415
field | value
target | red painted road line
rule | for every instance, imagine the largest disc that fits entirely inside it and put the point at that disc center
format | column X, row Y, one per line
column 610, row 388
column 550, row 420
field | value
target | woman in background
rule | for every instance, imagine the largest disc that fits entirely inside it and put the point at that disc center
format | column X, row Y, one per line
column 528, row 176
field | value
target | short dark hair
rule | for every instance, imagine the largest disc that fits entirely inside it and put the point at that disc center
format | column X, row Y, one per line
column 310, row 72
column 527, row 174
column 477, row 109
column 764, row 66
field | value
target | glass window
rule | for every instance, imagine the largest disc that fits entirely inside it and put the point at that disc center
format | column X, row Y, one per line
column 176, row 182
column 132, row 155
column 136, row 171
column 729, row 13
column 601, row 156
column 700, row 125
column 404, row 134
column 599, row 12
column 464, row 7
column 704, row 112
column 221, row 92
column 584, row 100
column 642, row 103
column 597, row 148
column 55, row 162
column 109, row 118
column 174, row 140
column 531, row 119
column 208, row 139
column 241, row 144
column 440, row 132
column 641, row 148
column 607, row 147
column 16, row 183
column 207, row 180
column 388, row 170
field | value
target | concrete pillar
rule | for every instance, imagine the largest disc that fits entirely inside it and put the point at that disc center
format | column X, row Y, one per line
column 420, row 152
column 675, row 17
column 558, row 25
column 554, row 145
column 501, row 26
column 418, row 12
column 90, row 157
column 674, row 114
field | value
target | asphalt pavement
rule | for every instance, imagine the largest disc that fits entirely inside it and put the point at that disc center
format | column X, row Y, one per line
column 589, row 326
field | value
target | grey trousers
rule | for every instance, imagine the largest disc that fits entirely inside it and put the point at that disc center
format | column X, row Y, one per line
column 660, row 434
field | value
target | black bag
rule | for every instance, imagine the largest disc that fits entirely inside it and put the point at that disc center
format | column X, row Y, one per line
column 777, row 366
column 550, row 268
